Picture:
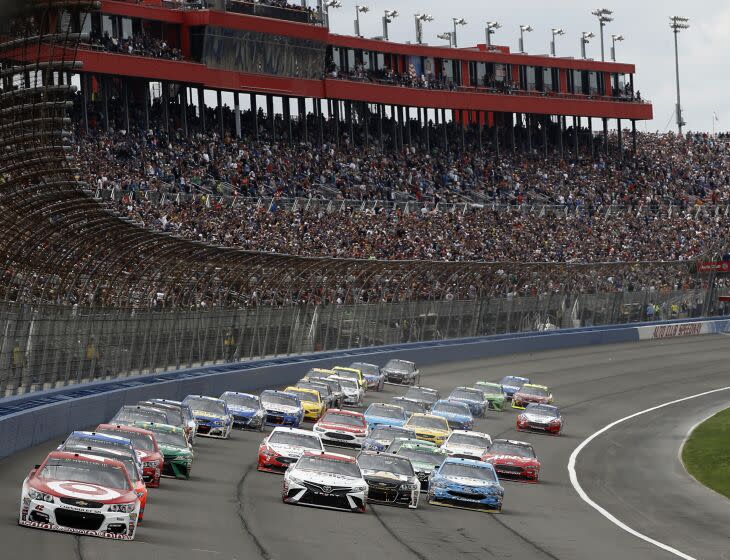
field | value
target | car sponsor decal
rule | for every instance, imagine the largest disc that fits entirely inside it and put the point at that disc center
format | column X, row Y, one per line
column 52, row 527
column 83, row 491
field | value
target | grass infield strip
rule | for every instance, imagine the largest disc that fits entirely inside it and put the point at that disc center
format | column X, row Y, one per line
column 706, row 454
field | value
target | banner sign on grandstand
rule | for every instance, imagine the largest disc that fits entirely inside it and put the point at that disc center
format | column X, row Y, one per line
column 676, row 330
column 721, row 267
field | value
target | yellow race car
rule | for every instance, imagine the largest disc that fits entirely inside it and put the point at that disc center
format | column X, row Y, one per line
column 311, row 400
column 352, row 373
column 429, row 427
column 530, row 393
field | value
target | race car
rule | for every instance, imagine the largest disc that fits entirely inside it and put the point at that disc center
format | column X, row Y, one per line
column 531, row 394
column 145, row 444
column 354, row 394
column 187, row 413
column 212, row 416
column 324, row 390
column 541, row 418
column 391, row 479
column 456, row 413
column 175, row 416
column 514, row 460
column 422, row 395
column 467, row 445
column 351, row 373
column 473, row 398
column 79, row 494
column 381, row 414
column 466, row 483
column 399, row 442
column 424, row 457
column 374, row 377
column 429, row 427
column 311, row 402
column 327, row 480
column 282, row 409
column 129, row 414
column 284, row 446
column 246, row 410
column 411, row 407
column 338, row 395
column 494, row 393
column 511, row 384
column 401, row 372
column 114, row 441
column 381, row 437
column 342, row 428
column 130, row 465
column 175, row 448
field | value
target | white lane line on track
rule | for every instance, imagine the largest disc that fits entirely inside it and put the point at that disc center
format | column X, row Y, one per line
column 613, row 519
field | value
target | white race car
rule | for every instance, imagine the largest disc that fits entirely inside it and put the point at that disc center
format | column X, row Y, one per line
column 354, row 394
column 327, row 480
column 467, row 445
column 81, row 494
column 284, row 446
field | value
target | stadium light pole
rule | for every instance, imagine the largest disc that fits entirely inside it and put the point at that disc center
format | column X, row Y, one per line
column 491, row 29
column 604, row 17
column 389, row 16
column 359, row 10
column 556, row 31
column 615, row 39
column 331, row 4
column 678, row 24
column 446, row 36
column 457, row 21
column 585, row 38
column 523, row 29
column 420, row 18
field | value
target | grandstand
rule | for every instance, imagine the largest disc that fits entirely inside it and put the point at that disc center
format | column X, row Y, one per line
column 447, row 193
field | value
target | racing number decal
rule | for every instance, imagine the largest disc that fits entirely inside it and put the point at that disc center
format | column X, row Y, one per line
column 83, row 491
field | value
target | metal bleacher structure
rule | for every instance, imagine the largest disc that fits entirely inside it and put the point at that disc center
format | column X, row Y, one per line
column 85, row 294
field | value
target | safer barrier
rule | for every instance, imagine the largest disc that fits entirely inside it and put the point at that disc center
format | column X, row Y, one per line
column 31, row 419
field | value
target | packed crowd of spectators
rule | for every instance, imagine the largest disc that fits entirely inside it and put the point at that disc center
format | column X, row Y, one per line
column 139, row 45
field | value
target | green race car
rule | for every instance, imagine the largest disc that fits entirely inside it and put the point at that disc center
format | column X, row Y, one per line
column 425, row 458
column 493, row 393
column 174, row 447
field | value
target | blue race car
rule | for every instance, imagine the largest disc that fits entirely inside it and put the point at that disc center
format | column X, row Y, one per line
column 372, row 374
column 381, row 414
column 511, row 384
column 211, row 415
column 246, row 410
column 381, row 437
column 466, row 483
column 282, row 409
column 473, row 398
column 457, row 414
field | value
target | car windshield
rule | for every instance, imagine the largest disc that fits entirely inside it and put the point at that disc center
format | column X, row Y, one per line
column 348, row 375
column 279, row 399
column 467, row 439
column 307, row 396
column 174, row 418
column 416, row 394
column 130, row 464
column 468, row 471
column 387, row 433
column 171, row 439
column 490, row 388
column 344, row 419
column 242, row 401
column 298, row 440
column 431, row 422
column 349, row 384
column 451, row 408
column 328, row 466
column 369, row 369
column 141, row 442
column 385, row 411
column 207, row 405
column 385, row 463
column 422, row 455
column 85, row 471
column 536, row 391
column 543, row 409
column 321, row 388
column 409, row 406
column 466, row 394
column 82, row 441
column 511, row 449
column 137, row 415
column 513, row 381
column 398, row 365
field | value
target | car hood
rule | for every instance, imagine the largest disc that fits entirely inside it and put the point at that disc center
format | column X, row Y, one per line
column 176, row 451
column 532, row 417
column 370, row 418
column 282, row 408
column 475, row 450
column 466, row 400
column 291, row 450
column 82, row 491
column 423, row 466
column 467, row 481
column 208, row 415
column 243, row 410
column 510, row 459
column 340, row 427
column 453, row 416
column 328, row 479
column 384, row 476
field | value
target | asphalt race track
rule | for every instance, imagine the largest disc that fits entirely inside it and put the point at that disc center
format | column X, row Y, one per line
column 230, row 511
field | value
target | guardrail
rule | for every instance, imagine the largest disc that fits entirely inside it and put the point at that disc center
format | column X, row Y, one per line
column 31, row 419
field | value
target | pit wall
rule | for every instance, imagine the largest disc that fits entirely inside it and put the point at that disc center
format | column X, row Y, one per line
column 29, row 420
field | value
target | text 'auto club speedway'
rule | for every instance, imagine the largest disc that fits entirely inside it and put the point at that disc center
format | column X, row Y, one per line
column 229, row 510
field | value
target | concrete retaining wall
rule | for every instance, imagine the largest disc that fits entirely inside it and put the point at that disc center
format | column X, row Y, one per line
column 28, row 420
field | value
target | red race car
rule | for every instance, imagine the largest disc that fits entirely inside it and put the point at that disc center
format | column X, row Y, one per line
column 540, row 418
column 513, row 460
column 81, row 494
column 342, row 428
column 145, row 445
column 531, row 394
column 284, row 446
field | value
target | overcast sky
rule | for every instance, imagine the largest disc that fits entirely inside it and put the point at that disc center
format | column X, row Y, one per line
column 649, row 43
